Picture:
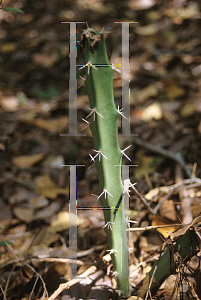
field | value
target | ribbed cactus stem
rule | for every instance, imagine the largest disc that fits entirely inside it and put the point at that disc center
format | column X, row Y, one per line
column 107, row 153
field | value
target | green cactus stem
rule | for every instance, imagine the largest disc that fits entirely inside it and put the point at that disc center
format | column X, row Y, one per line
column 107, row 153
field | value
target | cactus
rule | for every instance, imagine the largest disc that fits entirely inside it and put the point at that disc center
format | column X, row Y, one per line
column 108, row 155
column 107, row 159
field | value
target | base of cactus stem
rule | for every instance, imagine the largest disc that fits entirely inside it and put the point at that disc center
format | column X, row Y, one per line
column 124, row 287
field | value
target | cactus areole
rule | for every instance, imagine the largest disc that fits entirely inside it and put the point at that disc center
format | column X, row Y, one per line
column 107, row 158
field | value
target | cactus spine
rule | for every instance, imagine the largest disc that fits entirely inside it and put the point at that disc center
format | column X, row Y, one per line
column 104, row 128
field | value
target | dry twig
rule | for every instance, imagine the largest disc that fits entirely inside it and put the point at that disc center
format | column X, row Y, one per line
column 17, row 260
column 185, row 184
column 151, row 227
column 174, row 156
column 64, row 260
column 64, row 286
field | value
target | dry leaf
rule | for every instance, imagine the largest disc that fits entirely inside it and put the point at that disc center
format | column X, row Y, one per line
column 174, row 91
column 10, row 103
column 45, row 60
column 141, row 96
column 48, row 188
column 64, row 218
column 8, row 47
column 44, row 238
column 195, row 208
column 48, row 211
column 19, row 195
column 167, row 209
column 38, row 202
column 141, row 4
column 134, row 298
column 153, row 111
column 166, row 231
column 57, row 162
column 188, row 109
column 183, row 230
column 27, row 161
column 174, row 287
column 24, row 214
column 148, row 30
column 52, row 125
column 41, row 250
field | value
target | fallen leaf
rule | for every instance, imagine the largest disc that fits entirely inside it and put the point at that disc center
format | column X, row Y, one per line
column 142, row 95
column 38, row 202
column 134, row 298
column 172, row 288
column 57, row 162
column 167, row 209
column 45, row 60
column 10, row 103
column 24, row 214
column 166, row 231
column 40, row 251
column 64, row 218
column 183, row 230
column 48, row 211
column 188, row 109
column 27, row 161
column 174, row 91
column 141, row 4
column 43, row 238
column 48, row 188
column 8, row 47
column 19, row 195
column 154, row 15
column 151, row 112
column 152, row 194
column 148, row 30
column 52, row 125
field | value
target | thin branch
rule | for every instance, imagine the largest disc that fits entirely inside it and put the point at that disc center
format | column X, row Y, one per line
column 172, row 155
column 4, row 295
column 151, row 227
column 169, row 190
column 45, row 293
column 64, row 260
column 32, row 291
column 67, row 285
column 9, row 277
